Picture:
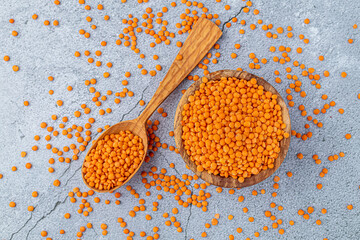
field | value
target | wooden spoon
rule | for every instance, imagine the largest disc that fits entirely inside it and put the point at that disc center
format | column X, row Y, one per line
column 202, row 38
column 216, row 179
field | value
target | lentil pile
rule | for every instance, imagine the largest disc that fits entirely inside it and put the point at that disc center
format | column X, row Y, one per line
column 70, row 69
column 113, row 160
column 232, row 128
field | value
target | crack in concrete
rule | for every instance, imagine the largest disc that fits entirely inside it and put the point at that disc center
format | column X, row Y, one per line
column 190, row 212
column 142, row 95
column 168, row 162
column 95, row 231
column 92, row 227
column 66, row 170
column 44, row 216
column 222, row 29
column 21, row 134
column 21, row 228
column 188, row 220
column 122, row 118
column 192, row 189
column 67, row 181
column 15, row 103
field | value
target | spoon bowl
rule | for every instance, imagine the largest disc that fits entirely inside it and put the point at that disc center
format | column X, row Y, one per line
column 217, row 179
column 137, row 128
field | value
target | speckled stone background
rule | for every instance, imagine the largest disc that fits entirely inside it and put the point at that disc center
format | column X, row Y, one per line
column 41, row 51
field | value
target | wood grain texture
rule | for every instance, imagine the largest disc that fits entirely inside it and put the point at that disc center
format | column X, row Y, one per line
column 201, row 39
column 216, row 179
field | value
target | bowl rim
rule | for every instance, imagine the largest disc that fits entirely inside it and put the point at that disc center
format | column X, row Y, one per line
column 216, row 179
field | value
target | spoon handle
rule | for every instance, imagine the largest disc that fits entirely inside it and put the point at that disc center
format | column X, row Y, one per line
column 201, row 39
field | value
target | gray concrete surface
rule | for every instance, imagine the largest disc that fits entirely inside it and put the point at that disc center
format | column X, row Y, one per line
column 41, row 51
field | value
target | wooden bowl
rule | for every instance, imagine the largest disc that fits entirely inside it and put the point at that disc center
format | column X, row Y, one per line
column 217, row 179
